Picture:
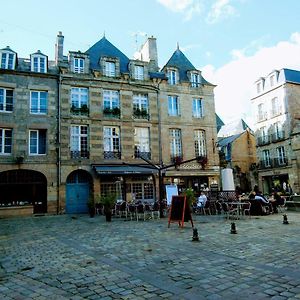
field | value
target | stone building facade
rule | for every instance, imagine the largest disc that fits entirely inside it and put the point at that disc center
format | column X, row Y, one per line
column 96, row 122
column 276, row 105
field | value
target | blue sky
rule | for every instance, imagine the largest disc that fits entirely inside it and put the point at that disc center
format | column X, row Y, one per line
column 233, row 42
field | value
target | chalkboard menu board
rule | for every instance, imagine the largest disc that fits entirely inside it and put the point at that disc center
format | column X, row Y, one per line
column 179, row 211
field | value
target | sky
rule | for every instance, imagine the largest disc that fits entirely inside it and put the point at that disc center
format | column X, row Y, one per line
column 233, row 42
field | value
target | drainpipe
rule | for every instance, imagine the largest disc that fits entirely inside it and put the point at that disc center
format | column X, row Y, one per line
column 58, row 150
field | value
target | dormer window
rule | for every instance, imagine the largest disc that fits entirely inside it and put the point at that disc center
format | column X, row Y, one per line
column 272, row 80
column 8, row 59
column 39, row 62
column 172, row 77
column 78, row 65
column 195, row 79
column 139, row 72
column 110, row 69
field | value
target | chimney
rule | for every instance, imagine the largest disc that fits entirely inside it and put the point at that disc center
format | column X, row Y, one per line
column 149, row 53
column 59, row 48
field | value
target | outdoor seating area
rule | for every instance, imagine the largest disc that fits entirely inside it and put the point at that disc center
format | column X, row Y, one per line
column 136, row 211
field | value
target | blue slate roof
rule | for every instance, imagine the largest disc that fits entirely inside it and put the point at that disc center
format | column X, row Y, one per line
column 219, row 122
column 106, row 48
column 159, row 75
column 228, row 140
column 179, row 60
column 291, row 75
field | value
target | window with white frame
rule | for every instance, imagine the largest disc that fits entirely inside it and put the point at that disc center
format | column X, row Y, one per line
column 139, row 72
column 79, row 141
column 281, row 155
column 140, row 104
column 276, row 109
column 78, row 65
column 195, row 79
column 278, row 130
column 111, row 139
column 143, row 191
column 38, row 63
column 264, row 134
column 172, row 77
column 141, row 141
column 110, row 69
column 266, row 158
column 175, row 143
column 79, row 97
column 200, row 142
column 38, row 102
column 173, row 106
column 6, row 100
column 5, row 141
column 8, row 60
column 37, row 142
column 261, row 113
column 111, row 99
column 197, row 108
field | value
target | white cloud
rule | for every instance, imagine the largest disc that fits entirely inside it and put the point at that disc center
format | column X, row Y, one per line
column 221, row 9
column 235, row 80
column 187, row 7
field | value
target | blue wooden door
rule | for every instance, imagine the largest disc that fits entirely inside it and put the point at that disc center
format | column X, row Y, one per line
column 77, row 195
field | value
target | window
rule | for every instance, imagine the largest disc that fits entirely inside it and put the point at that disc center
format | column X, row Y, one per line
column 272, row 80
column 140, row 105
column 141, row 142
column 173, row 106
column 143, row 191
column 172, row 77
column 111, row 142
column 266, row 158
column 79, row 97
column 38, row 102
column 195, row 80
column 79, row 141
column 8, row 60
column 5, row 141
column 139, row 72
column 197, row 108
column 258, row 87
column 110, row 69
column 175, row 143
column 281, row 155
column 111, row 99
column 6, row 100
column 37, row 142
column 78, row 65
column 200, row 143
column 262, row 115
column 38, row 63
column 264, row 134
column 276, row 109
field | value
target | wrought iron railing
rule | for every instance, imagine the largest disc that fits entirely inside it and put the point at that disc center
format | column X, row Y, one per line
column 112, row 155
column 139, row 154
column 80, row 154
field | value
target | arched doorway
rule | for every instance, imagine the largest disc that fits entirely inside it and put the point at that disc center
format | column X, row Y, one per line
column 23, row 187
column 78, row 189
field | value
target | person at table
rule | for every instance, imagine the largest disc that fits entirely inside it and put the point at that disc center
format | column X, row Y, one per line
column 261, row 198
column 276, row 200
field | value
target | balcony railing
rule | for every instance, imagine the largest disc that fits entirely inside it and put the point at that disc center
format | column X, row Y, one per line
column 273, row 163
column 80, row 154
column 112, row 112
column 112, row 155
column 139, row 154
column 263, row 140
column 278, row 136
column 80, row 111
column 140, row 114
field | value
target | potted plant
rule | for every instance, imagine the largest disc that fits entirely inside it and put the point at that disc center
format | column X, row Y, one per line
column 108, row 202
column 91, row 206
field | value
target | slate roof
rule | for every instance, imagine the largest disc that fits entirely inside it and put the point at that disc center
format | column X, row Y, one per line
column 219, row 122
column 179, row 60
column 235, row 127
column 105, row 48
column 228, row 140
column 292, row 76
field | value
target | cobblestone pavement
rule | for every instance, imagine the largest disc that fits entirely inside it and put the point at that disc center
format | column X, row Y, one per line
column 65, row 257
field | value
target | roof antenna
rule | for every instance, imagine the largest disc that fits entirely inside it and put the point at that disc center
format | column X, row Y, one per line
column 177, row 46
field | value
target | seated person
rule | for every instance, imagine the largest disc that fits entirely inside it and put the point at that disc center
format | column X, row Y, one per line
column 262, row 200
column 276, row 200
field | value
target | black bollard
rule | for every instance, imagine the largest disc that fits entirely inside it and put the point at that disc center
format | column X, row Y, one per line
column 233, row 228
column 285, row 220
column 195, row 235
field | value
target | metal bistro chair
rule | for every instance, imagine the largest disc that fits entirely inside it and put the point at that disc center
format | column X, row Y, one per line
column 246, row 209
column 140, row 211
column 123, row 210
column 132, row 211
column 156, row 210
